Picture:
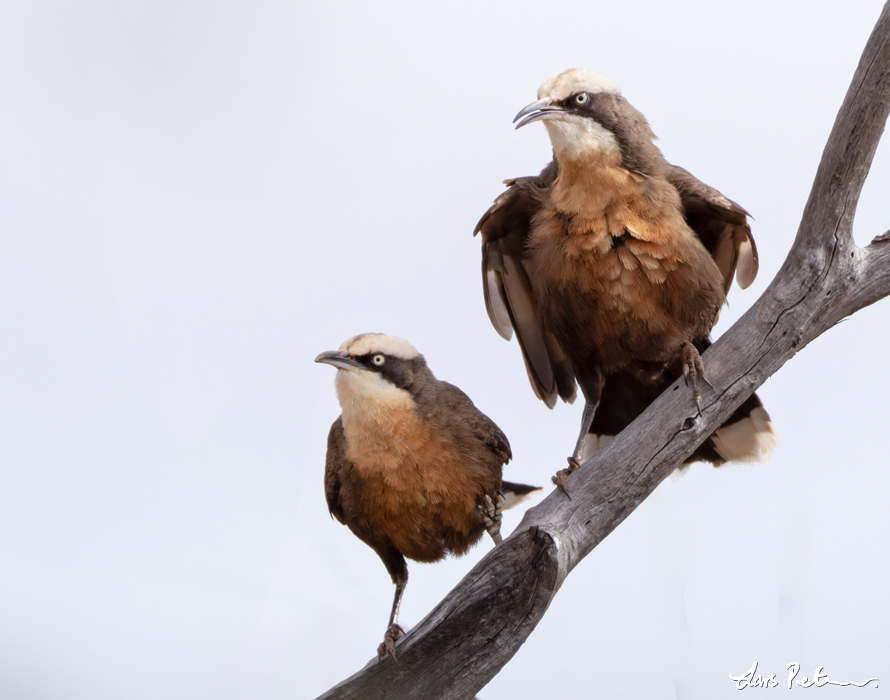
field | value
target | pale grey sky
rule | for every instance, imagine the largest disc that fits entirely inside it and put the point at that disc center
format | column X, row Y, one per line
column 197, row 198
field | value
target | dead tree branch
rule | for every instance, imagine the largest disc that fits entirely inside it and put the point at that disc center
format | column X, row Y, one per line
column 471, row 634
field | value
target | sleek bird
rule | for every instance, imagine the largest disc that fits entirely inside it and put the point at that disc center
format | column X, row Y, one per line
column 413, row 468
column 611, row 266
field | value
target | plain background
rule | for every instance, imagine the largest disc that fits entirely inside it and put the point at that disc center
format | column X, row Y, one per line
column 196, row 198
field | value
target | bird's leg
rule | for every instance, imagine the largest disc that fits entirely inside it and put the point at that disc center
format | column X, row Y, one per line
column 393, row 631
column 575, row 459
column 693, row 368
column 586, row 422
column 490, row 512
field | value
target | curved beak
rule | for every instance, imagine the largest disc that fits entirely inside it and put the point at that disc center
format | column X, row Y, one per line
column 339, row 359
column 537, row 111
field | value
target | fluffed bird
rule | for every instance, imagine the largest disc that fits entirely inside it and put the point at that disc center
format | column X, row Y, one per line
column 413, row 468
column 611, row 265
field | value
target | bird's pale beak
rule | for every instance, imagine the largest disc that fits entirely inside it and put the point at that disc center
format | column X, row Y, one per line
column 539, row 110
column 339, row 359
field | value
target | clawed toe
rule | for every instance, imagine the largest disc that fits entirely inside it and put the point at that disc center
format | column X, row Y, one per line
column 693, row 369
column 490, row 512
column 388, row 645
column 560, row 478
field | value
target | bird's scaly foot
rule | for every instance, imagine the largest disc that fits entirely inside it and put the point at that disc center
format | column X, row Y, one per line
column 490, row 512
column 388, row 646
column 562, row 474
column 693, row 368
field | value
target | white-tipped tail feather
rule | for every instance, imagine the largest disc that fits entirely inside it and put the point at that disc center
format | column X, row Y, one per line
column 594, row 443
column 751, row 439
column 510, row 497
column 746, row 270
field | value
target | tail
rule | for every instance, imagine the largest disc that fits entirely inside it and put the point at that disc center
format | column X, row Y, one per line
column 512, row 494
column 747, row 436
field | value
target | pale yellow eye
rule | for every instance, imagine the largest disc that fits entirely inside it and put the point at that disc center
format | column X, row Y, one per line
column 378, row 360
column 582, row 98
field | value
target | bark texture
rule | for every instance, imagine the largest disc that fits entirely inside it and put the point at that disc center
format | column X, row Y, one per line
column 469, row 636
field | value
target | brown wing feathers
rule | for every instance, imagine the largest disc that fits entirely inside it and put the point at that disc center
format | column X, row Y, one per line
column 509, row 298
column 334, row 459
column 721, row 224
column 495, row 294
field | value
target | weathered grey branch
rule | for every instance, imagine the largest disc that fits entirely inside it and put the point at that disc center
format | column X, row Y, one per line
column 471, row 634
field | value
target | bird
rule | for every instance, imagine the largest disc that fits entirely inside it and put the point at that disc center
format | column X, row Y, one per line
column 412, row 468
column 611, row 266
